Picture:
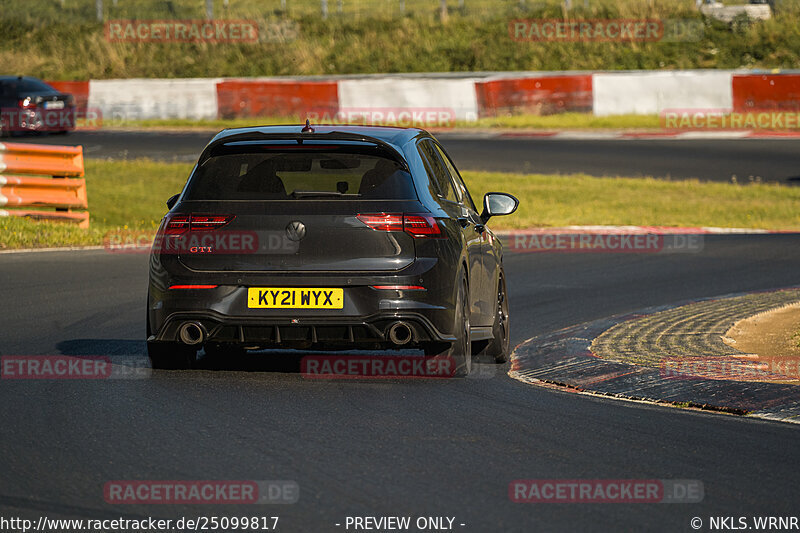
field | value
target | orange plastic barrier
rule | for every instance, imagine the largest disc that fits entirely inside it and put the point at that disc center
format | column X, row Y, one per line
column 57, row 192
column 19, row 191
column 40, row 159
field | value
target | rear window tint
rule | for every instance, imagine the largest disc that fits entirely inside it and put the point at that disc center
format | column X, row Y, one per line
column 8, row 89
column 33, row 86
column 300, row 175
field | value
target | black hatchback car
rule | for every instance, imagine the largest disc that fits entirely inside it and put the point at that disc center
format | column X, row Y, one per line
column 29, row 105
column 327, row 238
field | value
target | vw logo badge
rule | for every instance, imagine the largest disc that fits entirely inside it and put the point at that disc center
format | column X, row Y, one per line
column 295, row 230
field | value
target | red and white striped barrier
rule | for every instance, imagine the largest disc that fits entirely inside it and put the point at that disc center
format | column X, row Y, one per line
column 468, row 97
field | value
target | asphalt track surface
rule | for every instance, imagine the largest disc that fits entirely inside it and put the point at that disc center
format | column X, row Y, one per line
column 391, row 448
column 771, row 160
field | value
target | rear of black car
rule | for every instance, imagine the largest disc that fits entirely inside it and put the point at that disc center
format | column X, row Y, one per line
column 29, row 105
column 302, row 243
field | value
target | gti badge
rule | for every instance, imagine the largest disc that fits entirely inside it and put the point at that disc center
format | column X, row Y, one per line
column 295, row 230
column 200, row 249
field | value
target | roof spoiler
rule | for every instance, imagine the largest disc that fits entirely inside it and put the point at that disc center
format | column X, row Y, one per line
column 299, row 138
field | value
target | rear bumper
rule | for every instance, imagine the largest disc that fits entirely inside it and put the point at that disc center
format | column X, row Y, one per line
column 224, row 315
column 309, row 332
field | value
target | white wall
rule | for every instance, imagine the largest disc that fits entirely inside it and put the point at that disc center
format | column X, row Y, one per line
column 644, row 93
column 137, row 99
column 394, row 92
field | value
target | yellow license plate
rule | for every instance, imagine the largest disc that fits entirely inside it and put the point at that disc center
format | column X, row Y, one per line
column 284, row 298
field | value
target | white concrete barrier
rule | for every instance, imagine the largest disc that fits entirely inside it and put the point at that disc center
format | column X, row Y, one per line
column 411, row 93
column 137, row 99
column 647, row 93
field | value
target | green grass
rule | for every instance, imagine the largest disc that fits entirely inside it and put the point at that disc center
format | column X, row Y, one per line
column 123, row 196
column 43, row 39
column 548, row 200
column 564, row 121
column 560, row 121
column 130, row 195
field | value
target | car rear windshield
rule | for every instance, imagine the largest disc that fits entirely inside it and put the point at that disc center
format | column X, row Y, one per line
column 300, row 174
column 31, row 85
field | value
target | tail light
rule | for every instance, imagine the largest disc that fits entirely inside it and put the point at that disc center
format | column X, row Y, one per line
column 383, row 221
column 207, row 222
column 418, row 226
column 421, row 226
column 27, row 103
column 175, row 224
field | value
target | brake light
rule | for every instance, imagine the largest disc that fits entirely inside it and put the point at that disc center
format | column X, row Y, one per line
column 383, row 221
column 193, row 286
column 420, row 226
column 27, row 103
column 205, row 222
column 191, row 222
column 176, row 224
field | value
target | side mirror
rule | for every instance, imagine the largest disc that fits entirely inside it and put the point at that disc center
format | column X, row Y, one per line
column 498, row 203
column 172, row 201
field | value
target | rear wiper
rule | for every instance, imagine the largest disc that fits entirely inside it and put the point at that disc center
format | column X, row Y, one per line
column 310, row 194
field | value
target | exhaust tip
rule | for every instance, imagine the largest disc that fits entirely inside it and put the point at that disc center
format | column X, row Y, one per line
column 192, row 333
column 400, row 333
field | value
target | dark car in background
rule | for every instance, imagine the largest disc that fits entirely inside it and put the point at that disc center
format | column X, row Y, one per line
column 29, row 105
column 339, row 237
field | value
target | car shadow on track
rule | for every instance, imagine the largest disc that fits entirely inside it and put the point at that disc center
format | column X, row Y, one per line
column 129, row 358
column 133, row 353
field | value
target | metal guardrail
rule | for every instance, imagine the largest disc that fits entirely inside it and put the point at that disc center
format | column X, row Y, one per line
column 64, row 192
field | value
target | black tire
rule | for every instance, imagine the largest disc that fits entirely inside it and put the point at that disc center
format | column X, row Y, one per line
column 499, row 348
column 170, row 355
column 460, row 351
